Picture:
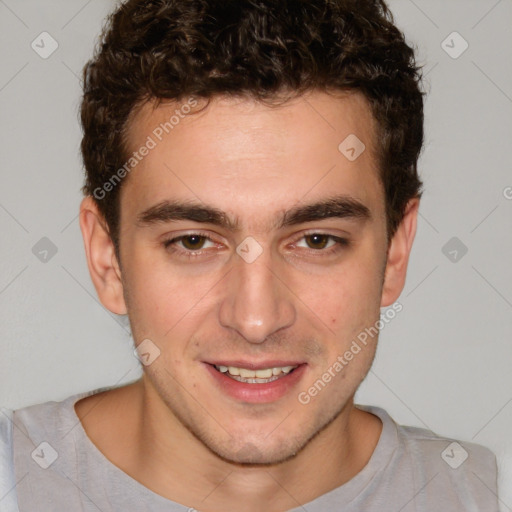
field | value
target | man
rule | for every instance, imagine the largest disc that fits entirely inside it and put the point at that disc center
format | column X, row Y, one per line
column 251, row 203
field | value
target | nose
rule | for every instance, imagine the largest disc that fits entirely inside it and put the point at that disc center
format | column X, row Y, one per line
column 256, row 301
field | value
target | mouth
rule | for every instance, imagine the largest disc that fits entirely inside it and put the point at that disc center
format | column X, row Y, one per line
column 262, row 383
column 261, row 376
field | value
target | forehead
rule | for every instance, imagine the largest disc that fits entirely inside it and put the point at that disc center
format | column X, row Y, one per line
column 245, row 156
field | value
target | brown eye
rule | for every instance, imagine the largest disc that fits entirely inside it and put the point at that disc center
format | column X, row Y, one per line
column 322, row 243
column 317, row 241
column 193, row 242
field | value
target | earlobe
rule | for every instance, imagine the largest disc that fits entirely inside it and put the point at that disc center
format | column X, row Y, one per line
column 101, row 257
column 398, row 255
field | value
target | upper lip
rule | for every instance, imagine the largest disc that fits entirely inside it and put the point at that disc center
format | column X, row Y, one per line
column 256, row 366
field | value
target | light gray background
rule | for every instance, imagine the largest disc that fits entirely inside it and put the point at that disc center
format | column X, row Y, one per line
column 443, row 362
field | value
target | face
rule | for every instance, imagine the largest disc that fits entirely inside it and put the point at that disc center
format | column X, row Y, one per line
column 249, row 240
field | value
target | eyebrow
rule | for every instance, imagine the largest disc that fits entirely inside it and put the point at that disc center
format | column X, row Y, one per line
column 342, row 207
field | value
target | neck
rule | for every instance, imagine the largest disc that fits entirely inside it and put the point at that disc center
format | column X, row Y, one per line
column 172, row 462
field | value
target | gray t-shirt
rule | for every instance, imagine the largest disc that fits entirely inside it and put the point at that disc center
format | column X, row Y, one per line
column 58, row 468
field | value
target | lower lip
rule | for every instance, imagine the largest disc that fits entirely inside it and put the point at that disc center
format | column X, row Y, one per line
column 257, row 393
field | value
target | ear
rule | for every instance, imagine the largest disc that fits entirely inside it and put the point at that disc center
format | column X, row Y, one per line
column 398, row 255
column 101, row 258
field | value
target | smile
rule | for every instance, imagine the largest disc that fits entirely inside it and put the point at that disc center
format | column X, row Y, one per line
column 270, row 382
column 261, row 376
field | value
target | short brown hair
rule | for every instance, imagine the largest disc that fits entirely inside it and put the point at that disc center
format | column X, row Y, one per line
column 172, row 49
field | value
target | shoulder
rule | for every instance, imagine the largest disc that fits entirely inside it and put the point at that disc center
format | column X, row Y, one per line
column 21, row 434
column 7, row 478
column 461, row 471
column 35, row 433
column 448, row 454
column 436, row 469
column 54, row 417
column 5, row 423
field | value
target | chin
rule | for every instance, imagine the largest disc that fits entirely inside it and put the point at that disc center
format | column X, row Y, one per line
column 252, row 455
column 257, row 452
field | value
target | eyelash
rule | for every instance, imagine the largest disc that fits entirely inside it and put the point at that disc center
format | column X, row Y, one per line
column 168, row 244
column 341, row 243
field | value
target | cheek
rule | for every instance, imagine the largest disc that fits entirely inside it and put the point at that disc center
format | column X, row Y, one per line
column 150, row 295
column 163, row 301
column 349, row 301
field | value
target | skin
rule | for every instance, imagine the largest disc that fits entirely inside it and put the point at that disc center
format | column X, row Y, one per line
column 174, row 430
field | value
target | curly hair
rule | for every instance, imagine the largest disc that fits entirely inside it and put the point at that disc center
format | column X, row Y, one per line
column 172, row 49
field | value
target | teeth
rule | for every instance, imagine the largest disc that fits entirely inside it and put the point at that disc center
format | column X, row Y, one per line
column 245, row 373
column 264, row 374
